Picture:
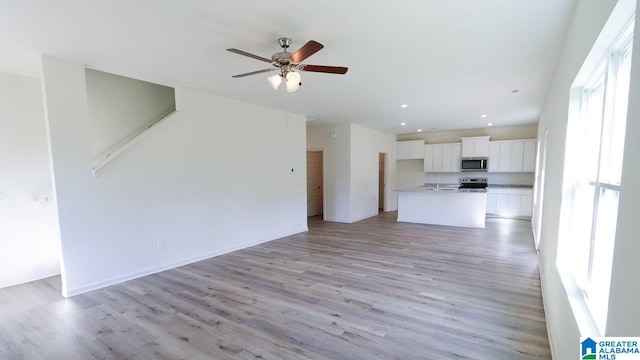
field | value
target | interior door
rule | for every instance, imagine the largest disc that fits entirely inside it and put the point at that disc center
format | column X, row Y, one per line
column 314, row 183
column 381, row 182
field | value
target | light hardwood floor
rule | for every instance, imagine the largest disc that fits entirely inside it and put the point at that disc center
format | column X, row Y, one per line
column 376, row 289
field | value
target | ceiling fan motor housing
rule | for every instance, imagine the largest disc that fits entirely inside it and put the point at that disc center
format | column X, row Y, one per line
column 281, row 57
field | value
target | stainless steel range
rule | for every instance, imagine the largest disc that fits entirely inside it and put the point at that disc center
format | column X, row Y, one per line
column 473, row 183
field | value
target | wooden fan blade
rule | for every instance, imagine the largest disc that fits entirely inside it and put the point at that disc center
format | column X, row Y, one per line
column 307, row 50
column 244, row 53
column 325, row 69
column 254, row 73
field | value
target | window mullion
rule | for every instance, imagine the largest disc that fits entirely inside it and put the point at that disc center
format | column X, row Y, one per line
column 613, row 187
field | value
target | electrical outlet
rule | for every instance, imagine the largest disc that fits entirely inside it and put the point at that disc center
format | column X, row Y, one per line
column 162, row 244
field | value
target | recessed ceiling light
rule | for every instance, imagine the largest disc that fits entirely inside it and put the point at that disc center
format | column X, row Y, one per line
column 419, row 130
column 403, row 105
column 490, row 124
column 483, row 115
column 403, row 124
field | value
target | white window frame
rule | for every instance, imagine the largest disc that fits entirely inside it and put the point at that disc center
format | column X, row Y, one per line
column 588, row 314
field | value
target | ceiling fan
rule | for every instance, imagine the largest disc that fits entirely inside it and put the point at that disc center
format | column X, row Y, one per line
column 287, row 62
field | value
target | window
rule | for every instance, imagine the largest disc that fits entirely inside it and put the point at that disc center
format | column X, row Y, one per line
column 593, row 168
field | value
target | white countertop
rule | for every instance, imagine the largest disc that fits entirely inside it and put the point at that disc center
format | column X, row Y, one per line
column 503, row 186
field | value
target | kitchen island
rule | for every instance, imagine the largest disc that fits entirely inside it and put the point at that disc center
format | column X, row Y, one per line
column 446, row 206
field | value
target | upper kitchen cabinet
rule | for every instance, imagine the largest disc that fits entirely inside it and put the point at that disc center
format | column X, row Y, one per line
column 512, row 156
column 477, row 146
column 442, row 158
column 409, row 150
column 529, row 156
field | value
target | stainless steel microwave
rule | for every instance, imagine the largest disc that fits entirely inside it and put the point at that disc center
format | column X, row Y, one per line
column 473, row 164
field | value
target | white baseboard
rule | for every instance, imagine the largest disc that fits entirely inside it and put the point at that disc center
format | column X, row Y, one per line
column 350, row 221
column 364, row 217
column 30, row 279
column 544, row 307
column 156, row 269
column 345, row 221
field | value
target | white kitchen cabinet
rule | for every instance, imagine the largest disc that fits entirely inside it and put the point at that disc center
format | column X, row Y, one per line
column 477, row 146
column 494, row 157
column 482, row 147
column 502, row 204
column 510, row 202
column 417, row 149
column 437, row 158
column 455, row 157
column 409, row 150
column 504, row 162
column 404, row 150
column 512, row 156
column 526, row 205
column 514, row 205
column 529, row 157
column 446, row 158
column 442, row 158
column 492, row 203
column 428, row 158
column 517, row 153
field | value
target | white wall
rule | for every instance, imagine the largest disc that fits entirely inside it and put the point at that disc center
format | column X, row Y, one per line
column 496, row 132
column 351, row 170
column 624, row 318
column 336, row 168
column 29, row 242
column 194, row 185
column 366, row 145
column 120, row 108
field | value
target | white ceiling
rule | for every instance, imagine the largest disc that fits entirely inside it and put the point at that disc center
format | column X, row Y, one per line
column 451, row 61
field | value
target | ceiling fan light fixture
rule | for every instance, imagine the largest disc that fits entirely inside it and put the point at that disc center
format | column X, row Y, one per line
column 275, row 81
column 293, row 81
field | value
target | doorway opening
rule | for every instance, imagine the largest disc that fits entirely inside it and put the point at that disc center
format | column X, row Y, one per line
column 315, row 194
column 381, row 163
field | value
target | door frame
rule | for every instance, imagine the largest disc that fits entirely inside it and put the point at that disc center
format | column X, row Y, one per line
column 385, row 181
column 323, row 177
column 540, row 188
